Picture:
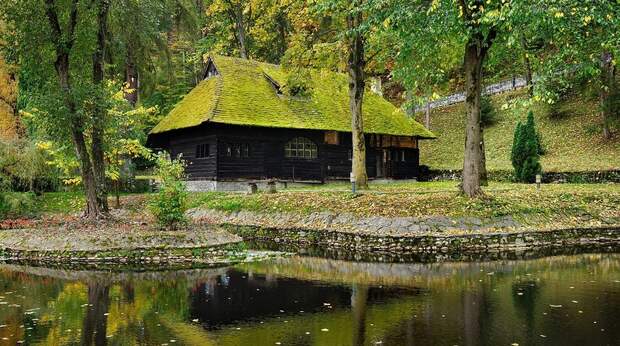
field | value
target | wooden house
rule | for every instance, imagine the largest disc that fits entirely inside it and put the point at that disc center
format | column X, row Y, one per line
column 249, row 120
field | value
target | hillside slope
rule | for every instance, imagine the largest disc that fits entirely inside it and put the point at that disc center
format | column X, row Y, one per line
column 570, row 132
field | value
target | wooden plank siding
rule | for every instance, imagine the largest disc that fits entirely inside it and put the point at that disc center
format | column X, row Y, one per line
column 266, row 158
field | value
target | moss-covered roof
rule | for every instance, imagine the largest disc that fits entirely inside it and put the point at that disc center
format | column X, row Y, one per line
column 242, row 94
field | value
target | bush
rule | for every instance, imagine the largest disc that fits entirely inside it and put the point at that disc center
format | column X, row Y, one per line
column 525, row 153
column 170, row 203
column 16, row 205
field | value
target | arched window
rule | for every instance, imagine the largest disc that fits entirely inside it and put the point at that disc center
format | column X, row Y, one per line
column 301, row 148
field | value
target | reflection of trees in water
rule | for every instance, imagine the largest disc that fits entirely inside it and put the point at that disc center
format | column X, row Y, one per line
column 524, row 297
column 480, row 308
column 95, row 321
column 359, row 300
column 471, row 316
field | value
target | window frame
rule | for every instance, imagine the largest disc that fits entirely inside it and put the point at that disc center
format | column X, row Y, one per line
column 203, row 151
column 238, row 151
column 301, row 148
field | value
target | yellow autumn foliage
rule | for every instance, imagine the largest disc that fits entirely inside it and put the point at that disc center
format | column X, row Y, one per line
column 8, row 97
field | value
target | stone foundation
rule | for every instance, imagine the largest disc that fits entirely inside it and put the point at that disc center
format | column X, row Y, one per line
column 231, row 186
column 436, row 244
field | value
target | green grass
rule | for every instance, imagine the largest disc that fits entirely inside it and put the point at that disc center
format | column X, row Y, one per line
column 555, row 204
column 570, row 131
column 60, row 202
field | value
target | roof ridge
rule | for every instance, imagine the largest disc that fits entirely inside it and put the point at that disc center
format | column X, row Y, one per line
column 219, row 84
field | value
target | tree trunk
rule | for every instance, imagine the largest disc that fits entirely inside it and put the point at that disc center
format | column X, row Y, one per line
column 94, row 325
column 484, row 177
column 475, row 52
column 427, row 116
column 132, row 78
column 236, row 14
column 356, row 66
column 359, row 302
column 62, row 66
column 607, row 85
column 99, row 113
column 528, row 67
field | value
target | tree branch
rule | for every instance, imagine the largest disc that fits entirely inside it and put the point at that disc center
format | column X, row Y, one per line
column 52, row 17
column 465, row 9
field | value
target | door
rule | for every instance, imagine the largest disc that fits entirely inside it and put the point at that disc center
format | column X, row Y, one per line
column 380, row 164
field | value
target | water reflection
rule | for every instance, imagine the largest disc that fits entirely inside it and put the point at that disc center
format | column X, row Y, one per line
column 568, row 300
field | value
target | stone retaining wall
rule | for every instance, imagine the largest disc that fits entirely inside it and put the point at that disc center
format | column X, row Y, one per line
column 435, row 244
column 404, row 235
column 218, row 254
column 608, row 176
column 344, row 222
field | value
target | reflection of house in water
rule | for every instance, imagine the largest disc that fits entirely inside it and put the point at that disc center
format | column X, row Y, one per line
column 236, row 296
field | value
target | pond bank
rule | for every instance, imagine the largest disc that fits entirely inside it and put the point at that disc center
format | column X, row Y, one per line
column 118, row 244
column 394, row 237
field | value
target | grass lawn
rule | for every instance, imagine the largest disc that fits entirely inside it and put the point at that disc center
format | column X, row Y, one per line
column 564, row 204
column 560, row 205
column 570, row 132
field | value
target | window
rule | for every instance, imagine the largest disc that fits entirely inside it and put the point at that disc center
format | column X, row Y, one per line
column 202, row 151
column 301, row 148
column 245, row 150
column 238, row 150
column 350, row 155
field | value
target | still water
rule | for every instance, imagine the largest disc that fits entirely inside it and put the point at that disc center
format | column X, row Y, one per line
column 561, row 300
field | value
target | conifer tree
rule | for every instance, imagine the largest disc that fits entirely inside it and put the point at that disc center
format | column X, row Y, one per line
column 516, row 156
column 525, row 155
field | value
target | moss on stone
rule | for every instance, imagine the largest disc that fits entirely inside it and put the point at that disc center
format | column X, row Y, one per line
column 244, row 94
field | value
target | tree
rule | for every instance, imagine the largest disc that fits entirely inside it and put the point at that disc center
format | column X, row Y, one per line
column 525, row 151
column 63, row 43
column 476, row 24
column 170, row 203
column 99, row 111
column 260, row 29
column 9, row 122
column 585, row 39
column 75, row 36
column 353, row 30
column 357, row 83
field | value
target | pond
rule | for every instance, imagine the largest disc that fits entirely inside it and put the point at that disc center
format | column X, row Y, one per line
column 560, row 300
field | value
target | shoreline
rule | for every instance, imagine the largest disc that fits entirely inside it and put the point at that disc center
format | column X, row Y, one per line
column 381, row 239
column 332, row 243
column 221, row 238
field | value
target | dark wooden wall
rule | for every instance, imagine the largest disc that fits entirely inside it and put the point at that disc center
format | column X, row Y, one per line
column 186, row 146
column 266, row 154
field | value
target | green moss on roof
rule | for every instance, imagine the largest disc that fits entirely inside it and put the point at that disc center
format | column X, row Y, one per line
column 242, row 95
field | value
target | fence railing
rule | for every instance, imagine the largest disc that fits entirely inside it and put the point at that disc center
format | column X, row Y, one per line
column 497, row 88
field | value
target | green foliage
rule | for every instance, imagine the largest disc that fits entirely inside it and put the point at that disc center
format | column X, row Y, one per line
column 534, row 133
column 525, row 151
column 298, row 83
column 22, row 163
column 488, row 115
column 170, row 203
column 16, row 204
